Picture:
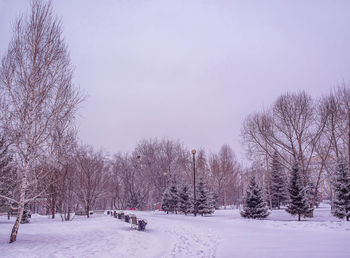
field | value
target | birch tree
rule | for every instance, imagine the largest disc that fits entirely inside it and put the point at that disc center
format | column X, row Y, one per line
column 36, row 91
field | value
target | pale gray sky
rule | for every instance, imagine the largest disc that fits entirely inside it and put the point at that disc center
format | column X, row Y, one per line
column 192, row 70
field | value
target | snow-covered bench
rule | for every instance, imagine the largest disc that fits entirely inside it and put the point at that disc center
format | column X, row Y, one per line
column 121, row 215
column 133, row 221
column 83, row 213
column 141, row 225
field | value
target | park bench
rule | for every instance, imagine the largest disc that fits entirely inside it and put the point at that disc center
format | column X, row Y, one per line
column 83, row 213
column 110, row 212
column 141, row 225
column 80, row 213
column 133, row 221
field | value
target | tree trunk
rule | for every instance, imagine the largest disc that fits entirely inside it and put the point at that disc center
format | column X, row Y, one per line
column 68, row 215
column 225, row 199
column 268, row 184
column 298, row 217
column 53, row 207
column 15, row 227
column 88, row 211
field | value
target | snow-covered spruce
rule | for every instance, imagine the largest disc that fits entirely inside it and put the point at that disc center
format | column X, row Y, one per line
column 278, row 183
column 298, row 201
column 341, row 202
column 205, row 202
column 185, row 199
column 170, row 202
column 166, row 201
column 254, row 205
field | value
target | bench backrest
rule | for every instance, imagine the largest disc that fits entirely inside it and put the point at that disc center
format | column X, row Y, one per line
column 133, row 219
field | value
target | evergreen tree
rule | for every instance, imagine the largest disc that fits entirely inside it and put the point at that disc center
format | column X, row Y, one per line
column 171, row 199
column 7, row 175
column 174, row 198
column 278, row 188
column 298, row 199
column 215, row 199
column 254, row 205
column 166, row 201
column 185, row 200
column 205, row 200
column 341, row 203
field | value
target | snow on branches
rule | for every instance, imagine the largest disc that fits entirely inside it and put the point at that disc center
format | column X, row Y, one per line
column 254, row 206
column 341, row 202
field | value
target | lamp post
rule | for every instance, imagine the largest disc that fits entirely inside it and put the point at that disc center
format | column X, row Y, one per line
column 194, row 182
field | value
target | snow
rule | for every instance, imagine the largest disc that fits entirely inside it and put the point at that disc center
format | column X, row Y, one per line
column 225, row 234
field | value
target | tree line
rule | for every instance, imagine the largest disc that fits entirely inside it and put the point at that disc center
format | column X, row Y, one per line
column 313, row 133
column 177, row 197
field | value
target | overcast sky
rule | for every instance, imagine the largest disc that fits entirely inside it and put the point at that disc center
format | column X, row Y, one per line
column 192, row 70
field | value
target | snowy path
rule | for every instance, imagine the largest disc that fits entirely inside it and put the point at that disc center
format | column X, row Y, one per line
column 182, row 236
column 228, row 235
column 222, row 235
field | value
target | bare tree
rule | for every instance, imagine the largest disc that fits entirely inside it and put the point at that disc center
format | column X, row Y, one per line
column 334, row 142
column 291, row 128
column 224, row 171
column 341, row 130
column 36, row 92
column 61, row 174
column 66, row 198
column 90, row 177
column 120, row 167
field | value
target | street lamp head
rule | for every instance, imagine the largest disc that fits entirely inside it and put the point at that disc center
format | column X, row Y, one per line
column 193, row 151
column 165, row 173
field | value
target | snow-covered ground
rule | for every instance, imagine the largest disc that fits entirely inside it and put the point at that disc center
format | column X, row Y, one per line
column 225, row 234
